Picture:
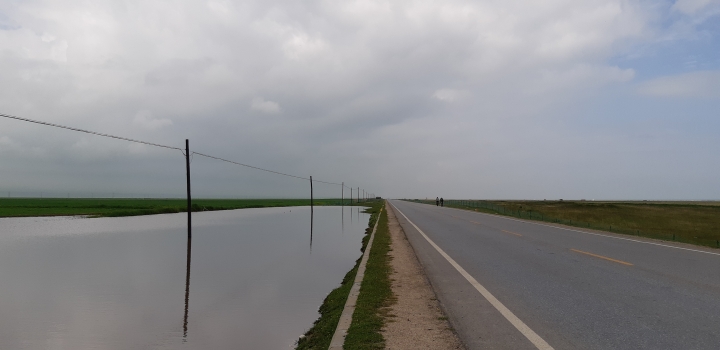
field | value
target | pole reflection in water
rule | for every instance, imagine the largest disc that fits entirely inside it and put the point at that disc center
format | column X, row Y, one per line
column 311, row 228
column 255, row 285
column 187, row 289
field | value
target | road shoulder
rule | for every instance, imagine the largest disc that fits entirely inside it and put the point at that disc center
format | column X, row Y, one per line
column 415, row 319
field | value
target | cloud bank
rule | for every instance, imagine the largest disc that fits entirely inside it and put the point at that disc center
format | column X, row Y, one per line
column 510, row 99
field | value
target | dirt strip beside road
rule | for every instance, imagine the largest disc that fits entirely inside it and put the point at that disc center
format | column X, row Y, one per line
column 415, row 319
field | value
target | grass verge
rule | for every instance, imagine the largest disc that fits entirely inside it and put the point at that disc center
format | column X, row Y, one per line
column 319, row 336
column 688, row 222
column 99, row 207
column 375, row 295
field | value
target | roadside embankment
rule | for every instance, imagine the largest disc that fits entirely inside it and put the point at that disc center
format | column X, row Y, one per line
column 415, row 319
column 680, row 221
column 319, row 336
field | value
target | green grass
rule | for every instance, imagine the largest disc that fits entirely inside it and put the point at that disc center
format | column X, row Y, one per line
column 375, row 295
column 689, row 222
column 15, row 207
column 320, row 335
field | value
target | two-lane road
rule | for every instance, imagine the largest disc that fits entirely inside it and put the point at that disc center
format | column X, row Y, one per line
column 514, row 284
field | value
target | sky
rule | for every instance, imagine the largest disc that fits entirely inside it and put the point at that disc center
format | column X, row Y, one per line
column 595, row 99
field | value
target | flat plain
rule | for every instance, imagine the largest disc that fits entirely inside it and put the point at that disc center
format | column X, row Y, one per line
column 104, row 207
column 694, row 222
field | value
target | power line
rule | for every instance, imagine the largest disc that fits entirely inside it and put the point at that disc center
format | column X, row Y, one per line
column 87, row 131
column 250, row 166
column 261, row 169
column 163, row 146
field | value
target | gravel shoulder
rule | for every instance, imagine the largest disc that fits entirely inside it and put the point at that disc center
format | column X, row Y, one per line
column 415, row 320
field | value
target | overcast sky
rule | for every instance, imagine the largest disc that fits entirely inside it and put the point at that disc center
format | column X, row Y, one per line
column 461, row 99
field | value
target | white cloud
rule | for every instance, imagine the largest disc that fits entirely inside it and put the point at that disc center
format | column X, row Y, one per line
column 58, row 52
column 47, row 38
column 450, row 95
column 693, row 6
column 145, row 120
column 346, row 69
column 695, row 84
column 261, row 105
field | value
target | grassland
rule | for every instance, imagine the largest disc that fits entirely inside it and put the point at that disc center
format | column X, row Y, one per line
column 689, row 222
column 97, row 207
column 364, row 331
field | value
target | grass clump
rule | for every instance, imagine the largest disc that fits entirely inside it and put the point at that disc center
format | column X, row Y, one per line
column 319, row 336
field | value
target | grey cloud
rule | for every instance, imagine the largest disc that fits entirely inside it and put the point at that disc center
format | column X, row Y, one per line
column 346, row 91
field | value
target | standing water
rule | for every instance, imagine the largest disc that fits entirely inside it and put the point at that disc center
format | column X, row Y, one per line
column 256, row 280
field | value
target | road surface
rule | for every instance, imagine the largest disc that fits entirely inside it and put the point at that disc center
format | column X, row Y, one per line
column 513, row 284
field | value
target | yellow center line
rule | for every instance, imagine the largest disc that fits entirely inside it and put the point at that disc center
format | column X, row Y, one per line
column 512, row 233
column 603, row 257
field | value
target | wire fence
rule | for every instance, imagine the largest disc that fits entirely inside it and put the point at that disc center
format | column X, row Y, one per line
column 355, row 194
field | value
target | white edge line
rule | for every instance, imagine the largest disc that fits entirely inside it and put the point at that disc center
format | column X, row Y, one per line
column 590, row 233
column 514, row 320
column 338, row 339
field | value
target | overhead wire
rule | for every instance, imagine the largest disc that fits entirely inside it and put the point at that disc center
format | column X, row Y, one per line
column 163, row 146
column 249, row 166
column 262, row 169
column 88, row 131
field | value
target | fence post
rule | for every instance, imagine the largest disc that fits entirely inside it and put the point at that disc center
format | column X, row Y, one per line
column 189, row 200
column 189, row 238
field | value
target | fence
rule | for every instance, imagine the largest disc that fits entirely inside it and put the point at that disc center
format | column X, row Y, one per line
column 356, row 197
column 360, row 194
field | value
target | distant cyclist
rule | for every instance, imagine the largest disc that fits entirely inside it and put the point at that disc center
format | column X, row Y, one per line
column 442, row 202
column 437, row 201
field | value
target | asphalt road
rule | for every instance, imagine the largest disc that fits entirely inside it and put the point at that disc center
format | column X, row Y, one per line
column 543, row 286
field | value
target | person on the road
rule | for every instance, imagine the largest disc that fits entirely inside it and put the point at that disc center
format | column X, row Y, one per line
column 437, row 201
column 442, row 202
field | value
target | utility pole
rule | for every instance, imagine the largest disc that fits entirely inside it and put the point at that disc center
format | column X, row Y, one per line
column 311, row 195
column 189, row 239
column 189, row 201
column 342, row 194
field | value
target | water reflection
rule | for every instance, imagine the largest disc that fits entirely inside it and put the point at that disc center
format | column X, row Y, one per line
column 115, row 283
column 187, row 286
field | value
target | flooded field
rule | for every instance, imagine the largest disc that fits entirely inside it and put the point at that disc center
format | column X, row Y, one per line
column 256, row 280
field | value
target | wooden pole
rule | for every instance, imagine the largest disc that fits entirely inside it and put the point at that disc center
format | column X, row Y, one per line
column 189, row 201
column 342, row 194
column 189, row 239
column 311, row 194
